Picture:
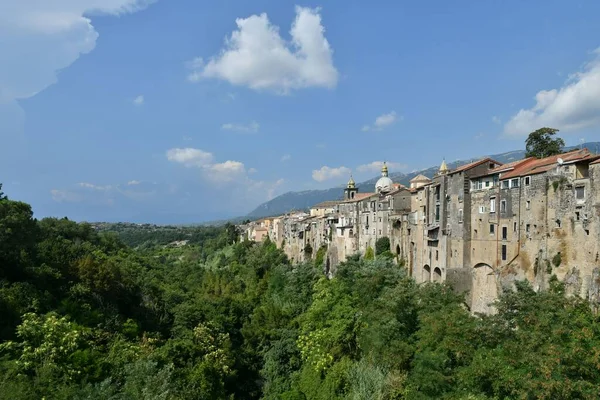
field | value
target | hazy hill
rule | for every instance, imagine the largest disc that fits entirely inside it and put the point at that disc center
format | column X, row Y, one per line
column 305, row 199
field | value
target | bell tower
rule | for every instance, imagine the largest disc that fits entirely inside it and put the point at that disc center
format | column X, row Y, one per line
column 350, row 190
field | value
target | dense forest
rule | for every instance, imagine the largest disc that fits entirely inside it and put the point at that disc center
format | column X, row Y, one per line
column 89, row 314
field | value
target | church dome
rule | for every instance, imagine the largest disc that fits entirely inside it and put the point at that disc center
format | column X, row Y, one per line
column 384, row 184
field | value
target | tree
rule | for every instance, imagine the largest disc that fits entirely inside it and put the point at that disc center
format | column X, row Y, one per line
column 2, row 196
column 382, row 245
column 540, row 143
column 369, row 254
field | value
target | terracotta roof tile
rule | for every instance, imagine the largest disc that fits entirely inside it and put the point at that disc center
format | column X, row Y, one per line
column 537, row 166
column 473, row 165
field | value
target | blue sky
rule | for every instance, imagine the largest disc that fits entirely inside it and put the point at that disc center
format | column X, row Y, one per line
column 181, row 111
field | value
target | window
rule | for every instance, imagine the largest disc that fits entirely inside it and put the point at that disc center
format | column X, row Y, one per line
column 487, row 184
column 504, row 233
column 580, row 192
column 475, row 232
column 527, row 180
column 481, row 209
column 505, row 184
column 577, row 215
column 436, row 255
column 514, row 226
column 503, row 252
column 492, row 204
column 380, row 232
column 437, row 213
column 527, row 205
column 479, row 185
column 503, row 206
column 514, row 183
column 528, row 228
column 558, row 223
column 460, row 216
column 492, row 229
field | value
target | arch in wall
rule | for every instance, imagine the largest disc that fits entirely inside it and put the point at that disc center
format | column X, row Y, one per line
column 397, row 249
column 484, row 289
column 437, row 275
column 426, row 273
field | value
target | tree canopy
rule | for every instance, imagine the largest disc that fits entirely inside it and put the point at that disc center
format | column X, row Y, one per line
column 541, row 143
column 86, row 316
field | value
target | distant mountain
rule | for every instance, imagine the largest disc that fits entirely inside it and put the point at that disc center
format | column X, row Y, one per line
column 305, row 199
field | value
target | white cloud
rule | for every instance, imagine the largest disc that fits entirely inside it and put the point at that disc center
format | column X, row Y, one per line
column 225, row 172
column 286, row 157
column 138, row 101
column 94, row 187
column 256, row 56
column 326, row 173
column 383, row 121
column 496, row 120
column 65, row 196
column 252, row 170
column 375, row 166
column 40, row 38
column 190, row 157
column 133, row 183
column 574, row 106
column 250, row 128
column 273, row 188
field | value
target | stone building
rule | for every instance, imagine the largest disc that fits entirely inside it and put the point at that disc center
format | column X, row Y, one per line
column 479, row 227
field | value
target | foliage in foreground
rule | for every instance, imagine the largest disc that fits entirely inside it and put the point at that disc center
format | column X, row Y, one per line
column 85, row 316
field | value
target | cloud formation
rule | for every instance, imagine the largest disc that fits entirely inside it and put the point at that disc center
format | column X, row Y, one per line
column 383, row 121
column 250, row 128
column 43, row 37
column 138, row 101
column 256, row 56
column 375, row 166
column 326, row 173
column 286, row 157
column 190, row 157
column 574, row 106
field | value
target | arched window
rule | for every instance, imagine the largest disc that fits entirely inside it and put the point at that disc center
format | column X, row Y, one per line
column 437, row 275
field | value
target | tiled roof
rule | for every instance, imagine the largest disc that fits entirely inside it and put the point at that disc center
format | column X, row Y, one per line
column 420, row 178
column 537, row 166
column 326, row 204
column 358, row 197
column 473, row 165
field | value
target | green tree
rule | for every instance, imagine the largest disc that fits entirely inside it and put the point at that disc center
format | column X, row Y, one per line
column 369, row 253
column 540, row 143
column 382, row 245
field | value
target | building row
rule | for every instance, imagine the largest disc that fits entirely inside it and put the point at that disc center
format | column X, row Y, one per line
column 480, row 226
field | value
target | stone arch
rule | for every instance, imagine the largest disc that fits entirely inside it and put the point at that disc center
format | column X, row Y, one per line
column 437, row 275
column 484, row 290
column 426, row 273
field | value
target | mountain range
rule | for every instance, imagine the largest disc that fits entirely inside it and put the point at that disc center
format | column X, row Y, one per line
column 307, row 198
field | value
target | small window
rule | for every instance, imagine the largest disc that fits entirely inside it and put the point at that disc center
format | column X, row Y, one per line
column 580, row 192
column 514, row 183
column 503, row 252
column 528, row 228
column 380, row 232
column 460, row 216
column 436, row 255
column 514, row 226
column 504, row 233
column 505, row 184
column 492, row 205
column 492, row 229
column 527, row 204
column 527, row 180
column 481, row 209
column 487, row 184
column 558, row 223
column 577, row 216
column 503, row 206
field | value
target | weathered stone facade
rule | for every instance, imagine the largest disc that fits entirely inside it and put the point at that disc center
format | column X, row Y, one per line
column 480, row 227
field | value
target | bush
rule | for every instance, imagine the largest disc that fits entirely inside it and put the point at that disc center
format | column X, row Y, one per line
column 382, row 245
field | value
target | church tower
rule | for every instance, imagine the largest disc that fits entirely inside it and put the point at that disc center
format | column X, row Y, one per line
column 350, row 190
column 443, row 168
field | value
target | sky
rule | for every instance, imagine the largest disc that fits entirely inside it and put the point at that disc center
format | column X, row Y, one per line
column 174, row 111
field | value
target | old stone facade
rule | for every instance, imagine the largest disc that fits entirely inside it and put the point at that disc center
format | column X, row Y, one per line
column 479, row 227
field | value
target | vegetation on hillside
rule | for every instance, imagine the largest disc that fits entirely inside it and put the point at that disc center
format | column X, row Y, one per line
column 86, row 316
